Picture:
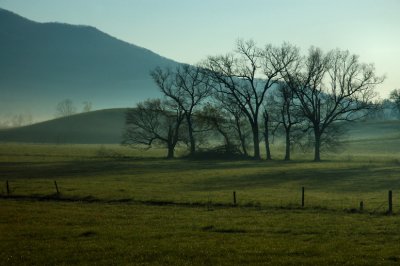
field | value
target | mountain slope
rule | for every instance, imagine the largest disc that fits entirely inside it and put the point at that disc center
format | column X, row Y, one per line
column 44, row 63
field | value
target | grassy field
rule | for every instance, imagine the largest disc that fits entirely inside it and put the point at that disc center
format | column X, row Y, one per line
column 120, row 206
column 53, row 233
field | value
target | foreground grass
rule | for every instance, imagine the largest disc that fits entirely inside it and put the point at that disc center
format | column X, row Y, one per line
column 54, row 233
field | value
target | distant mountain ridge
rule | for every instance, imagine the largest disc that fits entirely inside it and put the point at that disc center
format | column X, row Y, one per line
column 44, row 63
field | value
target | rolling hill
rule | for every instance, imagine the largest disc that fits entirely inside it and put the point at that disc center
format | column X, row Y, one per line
column 103, row 126
column 44, row 63
column 106, row 127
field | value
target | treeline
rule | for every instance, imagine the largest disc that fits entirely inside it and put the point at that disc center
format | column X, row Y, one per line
column 252, row 94
column 387, row 109
column 18, row 120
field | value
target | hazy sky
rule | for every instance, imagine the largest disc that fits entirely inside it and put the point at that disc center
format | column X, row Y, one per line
column 189, row 30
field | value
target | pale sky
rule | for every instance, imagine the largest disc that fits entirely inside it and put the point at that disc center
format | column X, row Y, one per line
column 190, row 30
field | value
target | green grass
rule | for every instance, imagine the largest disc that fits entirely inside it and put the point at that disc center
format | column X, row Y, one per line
column 124, row 224
column 340, row 183
column 101, row 126
column 49, row 233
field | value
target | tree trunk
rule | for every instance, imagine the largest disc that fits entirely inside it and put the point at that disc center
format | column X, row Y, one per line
column 267, row 148
column 191, row 137
column 172, row 136
column 171, row 149
column 256, row 142
column 266, row 136
column 317, row 146
column 241, row 137
column 287, row 153
column 243, row 143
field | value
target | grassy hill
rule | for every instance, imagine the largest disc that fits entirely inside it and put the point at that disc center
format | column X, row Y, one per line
column 106, row 127
column 373, row 139
column 368, row 130
column 103, row 126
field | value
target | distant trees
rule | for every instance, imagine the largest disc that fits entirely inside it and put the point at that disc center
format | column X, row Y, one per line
column 384, row 109
column 65, row 108
column 154, row 123
column 395, row 98
column 300, row 95
column 87, row 106
column 18, row 120
column 21, row 120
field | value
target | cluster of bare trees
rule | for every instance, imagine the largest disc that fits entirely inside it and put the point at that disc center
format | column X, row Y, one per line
column 19, row 120
column 395, row 98
column 251, row 94
column 67, row 108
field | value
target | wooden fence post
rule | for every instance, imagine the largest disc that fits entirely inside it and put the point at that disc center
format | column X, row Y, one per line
column 390, row 211
column 234, row 198
column 302, row 197
column 8, row 188
column 55, row 184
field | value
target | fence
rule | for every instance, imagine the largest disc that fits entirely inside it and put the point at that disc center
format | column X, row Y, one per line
column 385, row 206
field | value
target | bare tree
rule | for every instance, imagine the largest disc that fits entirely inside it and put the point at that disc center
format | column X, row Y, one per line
column 154, row 122
column 216, row 120
column 267, row 123
column 65, row 108
column 87, row 106
column 235, row 119
column 285, row 114
column 227, row 120
column 238, row 123
column 245, row 77
column 19, row 120
column 331, row 87
column 187, row 86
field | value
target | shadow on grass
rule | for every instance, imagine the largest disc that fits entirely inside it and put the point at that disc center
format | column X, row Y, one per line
column 211, row 228
column 104, row 167
column 326, row 178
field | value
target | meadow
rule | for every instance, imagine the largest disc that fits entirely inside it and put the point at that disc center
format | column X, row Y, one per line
column 119, row 206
